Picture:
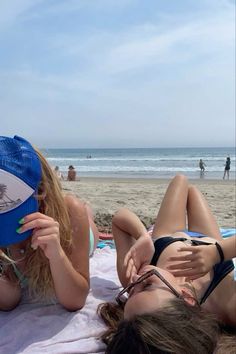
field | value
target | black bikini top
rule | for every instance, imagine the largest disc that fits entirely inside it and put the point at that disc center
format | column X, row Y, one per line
column 220, row 269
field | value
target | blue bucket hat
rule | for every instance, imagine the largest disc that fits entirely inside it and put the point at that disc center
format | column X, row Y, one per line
column 20, row 175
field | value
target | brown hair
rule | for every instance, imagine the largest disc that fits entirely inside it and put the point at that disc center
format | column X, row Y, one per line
column 177, row 328
column 51, row 203
column 226, row 344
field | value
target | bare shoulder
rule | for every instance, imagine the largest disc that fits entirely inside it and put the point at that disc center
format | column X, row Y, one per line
column 74, row 203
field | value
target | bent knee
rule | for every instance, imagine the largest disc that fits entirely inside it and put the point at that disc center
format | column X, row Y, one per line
column 193, row 189
column 181, row 178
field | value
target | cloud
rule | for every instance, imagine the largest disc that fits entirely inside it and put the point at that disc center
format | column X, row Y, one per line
column 12, row 10
column 71, row 7
column 177, row 44
column 173, row 40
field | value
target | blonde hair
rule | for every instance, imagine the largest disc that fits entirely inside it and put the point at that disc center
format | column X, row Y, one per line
column 51, row 203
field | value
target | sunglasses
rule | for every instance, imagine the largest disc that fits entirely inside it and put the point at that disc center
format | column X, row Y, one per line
column 121, row 300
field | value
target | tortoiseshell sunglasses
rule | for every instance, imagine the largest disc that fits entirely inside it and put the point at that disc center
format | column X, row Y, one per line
column 121, row 300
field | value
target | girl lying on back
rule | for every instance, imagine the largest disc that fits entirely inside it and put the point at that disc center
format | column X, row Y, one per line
column 178, row 284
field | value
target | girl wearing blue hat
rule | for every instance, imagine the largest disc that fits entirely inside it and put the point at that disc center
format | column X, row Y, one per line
column 45, row 238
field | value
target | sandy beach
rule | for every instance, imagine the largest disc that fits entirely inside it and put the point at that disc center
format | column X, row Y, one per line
column 143, row 196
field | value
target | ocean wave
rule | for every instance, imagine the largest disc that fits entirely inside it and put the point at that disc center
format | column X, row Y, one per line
column 139, row 169
column 144, row 159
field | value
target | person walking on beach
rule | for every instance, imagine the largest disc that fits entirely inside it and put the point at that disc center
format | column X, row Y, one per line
column 46, row 238
column 71, row 176
column 227, row 167
column 178, row 284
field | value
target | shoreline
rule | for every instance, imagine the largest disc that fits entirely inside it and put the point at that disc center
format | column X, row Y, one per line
column 191, row 177
column 143, row 196
column 149, row 179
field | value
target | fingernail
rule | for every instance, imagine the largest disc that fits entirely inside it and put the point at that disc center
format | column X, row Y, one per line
column 21, row 221
column 18, row 230
column 34, row 247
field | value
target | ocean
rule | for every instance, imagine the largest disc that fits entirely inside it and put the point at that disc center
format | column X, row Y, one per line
column 143, row 162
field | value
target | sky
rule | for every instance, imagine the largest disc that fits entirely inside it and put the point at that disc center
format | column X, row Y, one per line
column 118, row 73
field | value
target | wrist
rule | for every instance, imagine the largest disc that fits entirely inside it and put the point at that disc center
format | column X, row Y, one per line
column 58, row 254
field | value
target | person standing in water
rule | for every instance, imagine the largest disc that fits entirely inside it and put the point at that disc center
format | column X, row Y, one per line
column 227, row 167
column 202, row 165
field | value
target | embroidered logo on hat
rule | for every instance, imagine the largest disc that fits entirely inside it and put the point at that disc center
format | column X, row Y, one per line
column 13, row 191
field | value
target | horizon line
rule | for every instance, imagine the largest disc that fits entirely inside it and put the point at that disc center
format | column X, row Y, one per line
column 131, row 148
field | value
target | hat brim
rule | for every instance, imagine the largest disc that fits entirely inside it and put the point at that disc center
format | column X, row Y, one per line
column 9, row 222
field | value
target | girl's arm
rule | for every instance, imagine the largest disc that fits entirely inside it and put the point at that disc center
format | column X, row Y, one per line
column 10, row 294
column 133, row 244
column 70, row 275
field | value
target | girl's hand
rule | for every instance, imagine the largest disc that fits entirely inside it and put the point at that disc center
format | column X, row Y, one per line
column 45, row 233
column 196, row 264
column 140, row 254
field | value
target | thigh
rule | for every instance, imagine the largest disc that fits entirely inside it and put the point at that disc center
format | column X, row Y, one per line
column 200, row 217
column 172, row 214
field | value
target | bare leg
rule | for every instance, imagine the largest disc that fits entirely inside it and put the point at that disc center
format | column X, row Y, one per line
column 172, row 214
column 126, row 228
column 200, row 217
